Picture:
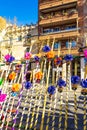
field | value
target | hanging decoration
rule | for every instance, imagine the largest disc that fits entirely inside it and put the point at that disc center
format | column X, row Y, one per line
column 1, row 81
column 28, row 84
column 27, row 56
column 38, row 76
column 3, row 97
column 68, row 58
column 84, row 86
column 46, row 48
column 50, row 55
column 51, row 90
column 75, row 80
column 16, row 87
column 85, row 53
column 57, row 60
column 9, row 59
column 61, row 84
column 12, row 76
column 37, row 59
column 18, row 67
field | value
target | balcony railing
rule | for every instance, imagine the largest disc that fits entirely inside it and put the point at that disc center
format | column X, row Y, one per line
column 50, row 4
column 64, row 51
column 65, row 44
column 8, row 46
column 27, row 42
column 59, row 19
column 60, row 34
column 62, row 31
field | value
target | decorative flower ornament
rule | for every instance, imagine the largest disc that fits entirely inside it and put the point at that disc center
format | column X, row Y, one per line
column 2, row 117
column 57, row 60
column 37, row 58
column 38, row 76
column 51, row 90
column 85, row 53
column 75, row 80
column 46, row 49
column 14, row 94
column 1, row 81
column 68, row 58
column 18, row 67
column 16, row 87
column 27, row 56
column 50, row 54
column 85, row 61
column 28, row 85
column 12, row 75
column 84, row 86
column 61, row 83
column 3, row 97
column 9, row 59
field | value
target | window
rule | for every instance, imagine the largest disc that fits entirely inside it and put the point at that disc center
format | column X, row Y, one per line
column 70, row 27
column 51, row 30
column 56, row 29
column 70, row 44
column 27, row 49
column 11, row 38
column 73, row 43
column 47, row 31
column 56, row 45
column 74, row 26
column 78, row 67
column 20, row 38
column 28, row 36
column 67, row 44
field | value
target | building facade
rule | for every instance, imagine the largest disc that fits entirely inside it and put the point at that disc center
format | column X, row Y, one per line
column 17, row 40
column 64, row 20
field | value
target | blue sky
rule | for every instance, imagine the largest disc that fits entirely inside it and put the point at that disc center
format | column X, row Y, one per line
column 26, row 11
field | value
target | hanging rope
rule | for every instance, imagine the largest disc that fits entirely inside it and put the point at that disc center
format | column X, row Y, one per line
column 35, row 104
column 75, row 102
column 13, row 101
column 21, row 92
column 54, row 111
column 84, row 118
column 37, row 111
column 4, row 89
column 18, row 105
column 49, row 111
column 60, row 112
column 45, row 99
column 67, row 87
column 75, row 111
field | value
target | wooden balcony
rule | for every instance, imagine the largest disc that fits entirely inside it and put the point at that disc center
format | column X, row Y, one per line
column 64, row 51
column 8, row 46
column 74, row 51
column 61, row 35
column 27, row 43
column 50, row 4
column 58, row 19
